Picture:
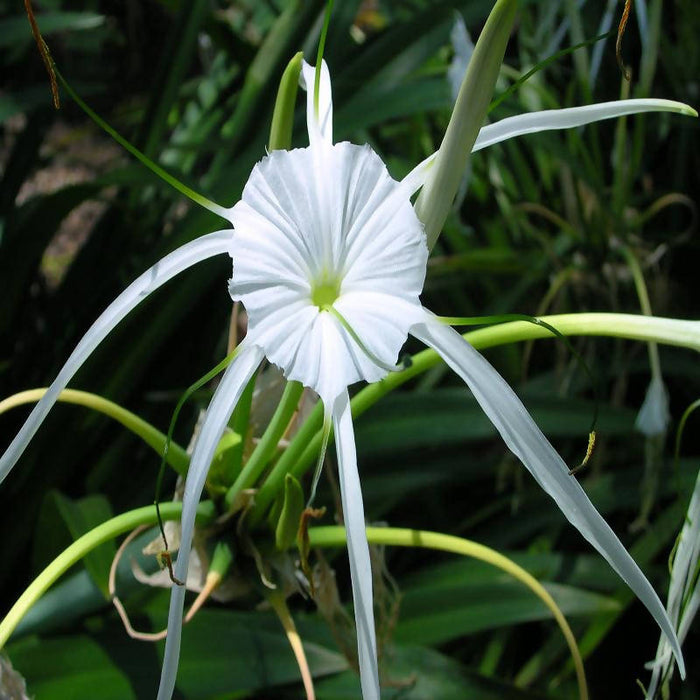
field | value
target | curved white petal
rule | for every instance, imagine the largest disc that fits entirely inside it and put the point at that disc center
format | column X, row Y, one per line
column 417, row 177
column 310, row 347
column 554, row 119
column 319, row 124
column 172, row 264
column 222, row 404
column 527, row 442
column 571, row 117
column 380, row 320
column 358, row 549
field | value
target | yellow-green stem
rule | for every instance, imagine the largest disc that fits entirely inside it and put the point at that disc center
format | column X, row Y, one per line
column 398, row 537
column 302, row 451
column 645, row 305
column 176, row 457
column 265, row 449
column 283, row 114
column 279, row 605
column 318, row 537
column 74, row 553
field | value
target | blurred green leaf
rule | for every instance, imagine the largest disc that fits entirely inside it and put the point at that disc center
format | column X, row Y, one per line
column 81, row 516
column 399, row 420
column 416, row 673
column 69, row 668
column 62, row 521
column 437, row 613
column 223, row 654
column 16, row 30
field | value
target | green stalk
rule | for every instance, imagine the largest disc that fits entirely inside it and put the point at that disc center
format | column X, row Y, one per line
column 645, row 305
column 74, row 553
column 301, row 453
column 334, row 536
column 622, row 175
column 265, row 449
column 438, row 193
column 176, row 457
column 239, row 423
column 278, row 602
column 283, row 115
column 296, row 453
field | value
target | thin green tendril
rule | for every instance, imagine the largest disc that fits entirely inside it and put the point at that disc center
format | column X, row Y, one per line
column 363, row 347
column 327, row 424
column 681, row 427
column 543, row 64
column 142, row 157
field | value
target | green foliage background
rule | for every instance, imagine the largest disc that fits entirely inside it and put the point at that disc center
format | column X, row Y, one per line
column 192, row 83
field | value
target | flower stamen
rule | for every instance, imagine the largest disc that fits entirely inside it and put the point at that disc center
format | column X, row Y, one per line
column 377, row 361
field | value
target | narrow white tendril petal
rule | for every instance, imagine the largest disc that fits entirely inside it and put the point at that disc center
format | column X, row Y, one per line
column 554, row 119
column 320, row 126
column 222, row 404
column 680, row 607
column 358, row 549
column 172, row 264
column 526, row 441
column 570, row 118
column 412, row 182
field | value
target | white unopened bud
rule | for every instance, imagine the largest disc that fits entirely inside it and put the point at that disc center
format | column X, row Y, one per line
column 653, row 417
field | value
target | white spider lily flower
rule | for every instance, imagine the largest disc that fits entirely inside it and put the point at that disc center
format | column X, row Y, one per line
column 329, row 259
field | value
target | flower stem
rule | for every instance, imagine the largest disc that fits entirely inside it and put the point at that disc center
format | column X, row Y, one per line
column 279, row 605
column 176, row 457
column 75, row 552
column 301, row 453
column 438, row 193
column 269, row 441
column 283, row 115
column 334, row 536
column 645, row 305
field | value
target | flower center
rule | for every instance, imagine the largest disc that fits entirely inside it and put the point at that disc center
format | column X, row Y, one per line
column 324, row 292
